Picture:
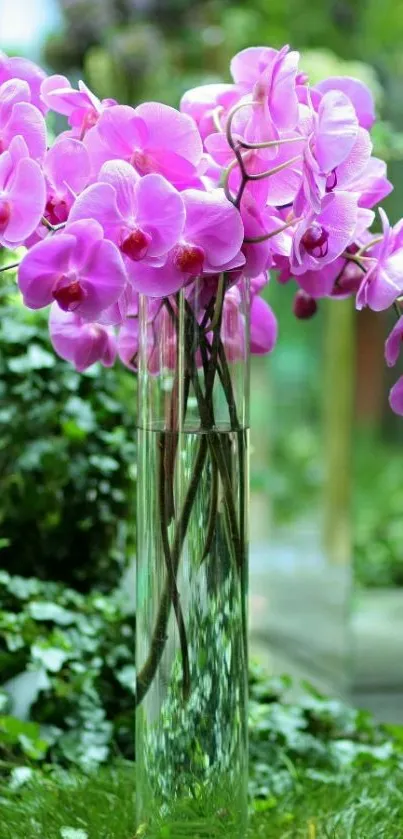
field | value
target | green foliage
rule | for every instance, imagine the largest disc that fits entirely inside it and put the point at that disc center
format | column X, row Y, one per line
column 378, row 505
column 316, row 737
column 318, row 769
column 70, row 806
column 67, row 458
column 67, row 667
column 66, row 663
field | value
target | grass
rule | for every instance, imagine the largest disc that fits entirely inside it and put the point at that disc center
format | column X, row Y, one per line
column 102, row 807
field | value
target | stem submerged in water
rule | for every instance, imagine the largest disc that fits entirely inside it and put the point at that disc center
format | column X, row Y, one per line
column 214, row 365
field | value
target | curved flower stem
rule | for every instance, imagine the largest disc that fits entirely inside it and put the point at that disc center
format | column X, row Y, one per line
column 53, row 228
column 9, row 267
column 237, row 152
column 354, row 257
column 256, row 240
column 231, row 115
column 171, row 572
column 217, row 316
column 374, row 241
column 270, row 143
column 159, row 638
column 216, row 118
column 262, row 175
column 212, row 519
column 225, row 183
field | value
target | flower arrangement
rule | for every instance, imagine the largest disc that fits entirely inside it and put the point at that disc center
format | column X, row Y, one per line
column 264, row 173
column 150, row 232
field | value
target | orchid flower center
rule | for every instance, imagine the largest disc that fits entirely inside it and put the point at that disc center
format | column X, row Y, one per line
column 56, row 210
column 144, row 163
column 331, row 181
column 315, row 240
column 136, row 245
column 90, row 119
column 69, row 293
column 260, row 92
column 5, row 213
column 189, row 259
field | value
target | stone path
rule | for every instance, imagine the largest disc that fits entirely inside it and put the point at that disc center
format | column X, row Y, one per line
column 307, row 620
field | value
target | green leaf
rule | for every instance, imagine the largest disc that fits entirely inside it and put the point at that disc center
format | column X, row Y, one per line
column 12, row 730
column 104, row 463
column 34, row 749
column 36, row 358
column 46, row 611
column 52, row 658
column 81, row 412
column 127, row 678
column 20, row 776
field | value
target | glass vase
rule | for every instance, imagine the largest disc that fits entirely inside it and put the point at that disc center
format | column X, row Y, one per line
column 192, row 562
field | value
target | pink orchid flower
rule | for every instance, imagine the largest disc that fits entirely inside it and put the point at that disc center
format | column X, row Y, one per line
column 320, row 239
column 81, row 107
column 206, row 102
column 67, row 170
column 22, row 194
column 209, row 244
column 263, row 327
column 233, row 331
column 393, row 348
column 18, row 117
column 393, row 344
column 340, row 278
column 25, row 70
column 396, row 397
column 80, row 342
column 277, row 190
column 383, row 281
column 143, row 216
column 78, row 268
column 260, row 222
column 270, row 77
column 370, row 183
column 332, row 137
column 153, row 138
column 358, row 93
column 128, row 342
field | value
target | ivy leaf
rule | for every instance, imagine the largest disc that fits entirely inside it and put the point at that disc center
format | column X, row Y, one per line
column 40, row 610
column 104, row 463
column 36, row 358
column 20, row 776
column 52, row 658
column 72, row 833
column 81, row 412
column 127, row 678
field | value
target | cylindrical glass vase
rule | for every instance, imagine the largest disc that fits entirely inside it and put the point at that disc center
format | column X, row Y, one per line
column 192, row 562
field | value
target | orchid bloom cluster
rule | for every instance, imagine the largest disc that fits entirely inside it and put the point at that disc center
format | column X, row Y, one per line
column 265, row 174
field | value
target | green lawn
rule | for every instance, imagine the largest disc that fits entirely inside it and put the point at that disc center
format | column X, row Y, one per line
column 102, row 807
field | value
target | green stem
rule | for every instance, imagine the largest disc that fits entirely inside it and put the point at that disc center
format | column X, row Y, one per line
column 171, row 573
column 9, row 267
column 147, row 673
column 212, row 519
